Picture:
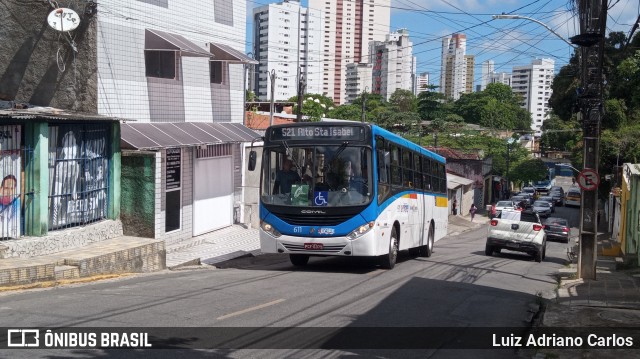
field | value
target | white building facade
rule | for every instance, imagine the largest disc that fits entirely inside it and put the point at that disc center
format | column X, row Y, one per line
column 177, row 69
column 422, row 83
column 358, row 80
column 533, row 83
column 393, row 64
column 287, row 39
column 456, row 76
column 486, row 73
column 501, row 78
column 348, row 28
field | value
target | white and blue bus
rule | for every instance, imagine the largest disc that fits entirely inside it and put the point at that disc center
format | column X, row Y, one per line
column 345, row 188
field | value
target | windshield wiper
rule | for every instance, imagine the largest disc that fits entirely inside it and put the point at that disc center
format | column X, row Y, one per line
column 335, row 155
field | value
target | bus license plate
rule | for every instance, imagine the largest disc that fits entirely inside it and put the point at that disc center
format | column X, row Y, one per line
column 313, row 246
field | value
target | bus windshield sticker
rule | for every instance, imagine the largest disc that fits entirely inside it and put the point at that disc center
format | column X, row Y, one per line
column 352, row 133
column 320, row 198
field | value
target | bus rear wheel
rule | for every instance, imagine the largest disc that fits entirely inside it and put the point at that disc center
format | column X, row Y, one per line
column 388, row 261
column 427, row 249
column 299, row 259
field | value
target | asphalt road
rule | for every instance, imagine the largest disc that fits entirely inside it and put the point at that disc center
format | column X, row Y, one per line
column 458, row 286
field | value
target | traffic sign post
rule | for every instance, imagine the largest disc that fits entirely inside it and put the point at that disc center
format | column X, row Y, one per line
column 588, row 179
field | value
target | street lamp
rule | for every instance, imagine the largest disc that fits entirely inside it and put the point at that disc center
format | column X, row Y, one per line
column 510, row 141
column 519, row 17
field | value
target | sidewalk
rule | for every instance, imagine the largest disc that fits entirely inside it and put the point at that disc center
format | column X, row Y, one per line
column 612, row 300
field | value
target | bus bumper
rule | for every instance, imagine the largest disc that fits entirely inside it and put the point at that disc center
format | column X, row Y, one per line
column 331, row 246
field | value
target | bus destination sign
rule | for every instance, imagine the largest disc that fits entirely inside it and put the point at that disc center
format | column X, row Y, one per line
column 343, row 133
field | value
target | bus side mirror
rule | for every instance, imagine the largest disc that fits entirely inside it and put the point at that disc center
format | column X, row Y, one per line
column 252, row 160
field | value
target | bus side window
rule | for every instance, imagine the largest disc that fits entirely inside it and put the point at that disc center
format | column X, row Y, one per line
column 407, row 165
column 383, row 160
column 443, row 179
column 435, row 181
column 396, row 174
column 417, row 175
column 426, row 170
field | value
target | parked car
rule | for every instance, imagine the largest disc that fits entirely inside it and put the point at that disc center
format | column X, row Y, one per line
column 573, row 197
column 542, row 208
column 558, row 195
column 557, row 228
column 550, row 200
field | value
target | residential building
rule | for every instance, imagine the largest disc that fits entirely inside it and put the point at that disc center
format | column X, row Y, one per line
column 349, row 27
column 393, row 64
column 148, row 127
column 533, row 83
column 358, row 80
column 501, row 78
column 287, row 38
column 487, row 74
column 422, row 83
column 457, row 68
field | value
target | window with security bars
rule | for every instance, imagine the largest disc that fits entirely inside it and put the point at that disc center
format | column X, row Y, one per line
column 78, row 174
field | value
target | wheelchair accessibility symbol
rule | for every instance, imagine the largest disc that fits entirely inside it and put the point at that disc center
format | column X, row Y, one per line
column 320, row 198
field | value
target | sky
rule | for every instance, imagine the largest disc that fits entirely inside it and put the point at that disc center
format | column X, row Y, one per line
column 508, row 43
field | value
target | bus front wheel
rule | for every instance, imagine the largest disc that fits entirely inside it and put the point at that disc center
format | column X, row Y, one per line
column 389, row 259
column 299, row 259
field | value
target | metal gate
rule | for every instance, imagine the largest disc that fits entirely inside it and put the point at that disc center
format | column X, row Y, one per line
column 12, row 182
column 78, row 174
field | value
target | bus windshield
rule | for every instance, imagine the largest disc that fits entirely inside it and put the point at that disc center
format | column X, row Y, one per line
column 317, row 175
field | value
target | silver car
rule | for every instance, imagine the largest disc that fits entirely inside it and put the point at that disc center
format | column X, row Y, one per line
column 543, row 208
column 551, row 201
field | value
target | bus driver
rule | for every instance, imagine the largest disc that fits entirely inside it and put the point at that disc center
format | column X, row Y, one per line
column 285, row 178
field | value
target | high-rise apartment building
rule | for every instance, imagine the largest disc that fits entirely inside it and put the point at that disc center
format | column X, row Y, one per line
column 287, row 38
column 358, row 80
column 487, row 73
column 393, row 64
column 533, row 83
column 457, row 71
column 422, row 83
column 501, row 78
column 349, row 26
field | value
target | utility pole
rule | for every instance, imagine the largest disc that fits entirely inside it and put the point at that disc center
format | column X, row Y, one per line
column 593, row 24
column 301, row 86
column 272, row 76
column 364, row 106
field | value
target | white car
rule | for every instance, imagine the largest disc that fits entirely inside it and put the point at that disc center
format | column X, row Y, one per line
column 517, row 231
column 508, row 205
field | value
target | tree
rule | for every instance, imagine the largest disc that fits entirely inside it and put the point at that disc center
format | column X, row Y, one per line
column 346, row 112
column 430, row 104
column 403, row 101
column 529, row 170
column 314, row 106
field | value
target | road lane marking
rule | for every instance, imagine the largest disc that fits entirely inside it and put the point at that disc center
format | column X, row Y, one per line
column 250, row 309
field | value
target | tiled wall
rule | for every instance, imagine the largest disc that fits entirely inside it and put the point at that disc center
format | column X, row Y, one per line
column 123, row 89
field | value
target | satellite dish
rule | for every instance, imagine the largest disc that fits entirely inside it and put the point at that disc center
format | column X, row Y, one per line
column 63, row 19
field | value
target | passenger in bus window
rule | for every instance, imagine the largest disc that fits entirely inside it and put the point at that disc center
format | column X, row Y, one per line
column 285, row 178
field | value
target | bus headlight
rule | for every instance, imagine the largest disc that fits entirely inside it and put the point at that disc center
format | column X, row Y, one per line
column 358, row 232
column 269, row 229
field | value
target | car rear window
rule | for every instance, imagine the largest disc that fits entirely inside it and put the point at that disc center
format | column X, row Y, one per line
column 556, row 222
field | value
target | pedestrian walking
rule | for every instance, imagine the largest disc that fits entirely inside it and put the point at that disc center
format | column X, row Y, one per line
column 454, row 207
column 493, row 212
column 472, row 211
